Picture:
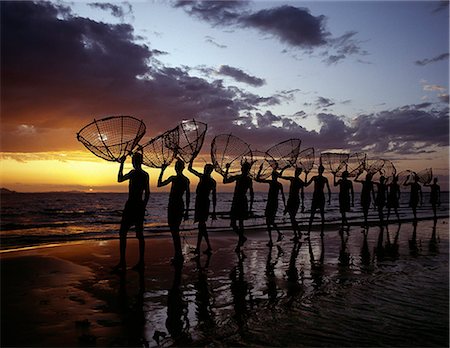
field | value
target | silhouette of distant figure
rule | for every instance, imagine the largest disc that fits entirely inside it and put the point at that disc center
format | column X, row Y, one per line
column 415, row 196
column 393, row 197
column 239, row 206
column 380, row 199
column 272, row 203
column 435, row 196
column 293, row 202
column 176, row 210
column 345, row 193
column 366, row 194
column 318, row 200
column 205, row 187
column 134, row 211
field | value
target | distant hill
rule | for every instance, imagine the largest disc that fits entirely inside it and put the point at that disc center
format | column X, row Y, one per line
column 6, row 191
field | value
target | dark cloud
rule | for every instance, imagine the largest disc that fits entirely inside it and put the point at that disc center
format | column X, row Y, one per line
column 294, row 26
column 426, row 61
column 323, row 102
column 215, row 12
column 240, row 76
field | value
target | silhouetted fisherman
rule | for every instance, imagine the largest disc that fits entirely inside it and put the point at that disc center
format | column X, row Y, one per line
column 296, row 189
column 367, row 194
column 380, row 199
column 239, row 206
column 205, row 187
column 435, row 196
column 134, row 211
column 393, row 197
column 416, row 194
column 345, row 193
column 318, row 200
column 176, row 210
column 272, row 203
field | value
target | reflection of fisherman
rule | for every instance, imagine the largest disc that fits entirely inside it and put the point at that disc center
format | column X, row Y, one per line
column 317, row 269
column 134, row 211
column 176, row 310
column 293, row 201
column 294, row 288
column 239, row 290
column 176, row 210
column 345, row 193
column 272, row 203
column 205, row 186
column 205, row 314
column 239, row 207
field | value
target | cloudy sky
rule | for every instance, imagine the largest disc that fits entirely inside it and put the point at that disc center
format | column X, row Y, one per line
column 359, row 76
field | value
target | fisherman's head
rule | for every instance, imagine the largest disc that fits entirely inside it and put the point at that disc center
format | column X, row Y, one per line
column 345, row 174
column 382, row 179
column 245, row 168
column 369, row 177
column 137, row 160
column 207, row 170
column 179, row 166
column 298, row 171
column 321, row 169
column 435, row 180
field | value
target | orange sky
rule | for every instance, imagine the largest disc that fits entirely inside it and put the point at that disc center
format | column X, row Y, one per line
column 82, row 171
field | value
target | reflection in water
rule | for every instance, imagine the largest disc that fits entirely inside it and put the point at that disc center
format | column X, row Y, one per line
column 203, row 297
column 132, row 311
column 344, row 255
column 294, row 288
column 317, row 267
column 250, row 303
column 413, row 247
column 433, row 244
column 177, row 322
column 380, row 252
column 391, row 247
column 239, row 290
column 272, row 292
column 365, row 252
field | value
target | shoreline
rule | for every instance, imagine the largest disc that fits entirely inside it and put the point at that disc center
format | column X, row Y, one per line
column 163, row 232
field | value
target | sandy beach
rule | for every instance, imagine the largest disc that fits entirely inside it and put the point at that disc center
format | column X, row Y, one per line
column 386, row 287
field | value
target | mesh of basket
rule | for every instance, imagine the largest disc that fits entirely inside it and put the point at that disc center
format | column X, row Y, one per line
column 263, row 161
column 305, row 159
column 229, row 149
column 191, row 135
column 285, row 153
column 356, row 163
column 425, row 176
column 113, row 137
column 158, row 152
column 333, row 161
column 405, row 177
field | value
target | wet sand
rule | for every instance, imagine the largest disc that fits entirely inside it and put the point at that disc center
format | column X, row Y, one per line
column 385, row 287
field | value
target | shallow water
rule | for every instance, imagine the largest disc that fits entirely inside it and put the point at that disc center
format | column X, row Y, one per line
column 386, row 287
column 38, row 218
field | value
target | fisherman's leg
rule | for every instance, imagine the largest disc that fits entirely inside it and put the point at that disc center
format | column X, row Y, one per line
column 140, row 237
column 204, row 233
column 122, row 247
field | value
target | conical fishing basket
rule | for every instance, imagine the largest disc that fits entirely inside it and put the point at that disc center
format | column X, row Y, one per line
column 113, row 137
column 231, row 150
